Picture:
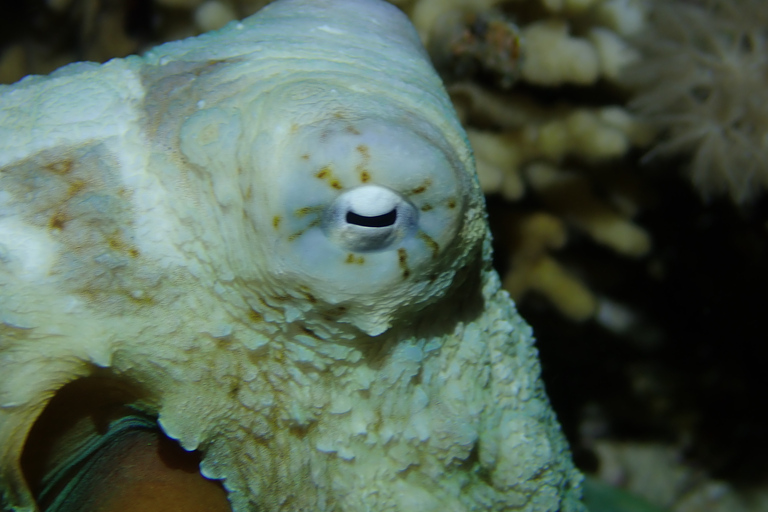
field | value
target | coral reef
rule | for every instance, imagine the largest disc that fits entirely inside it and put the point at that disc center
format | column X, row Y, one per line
column 559, row 138
column 701, row 82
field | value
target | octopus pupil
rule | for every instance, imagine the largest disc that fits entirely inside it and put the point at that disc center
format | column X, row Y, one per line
column 376, row 221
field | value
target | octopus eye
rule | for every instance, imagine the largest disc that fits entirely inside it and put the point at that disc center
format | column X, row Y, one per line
column 369, row 218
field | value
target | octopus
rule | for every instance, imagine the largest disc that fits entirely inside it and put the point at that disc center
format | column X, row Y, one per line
column 268, row 244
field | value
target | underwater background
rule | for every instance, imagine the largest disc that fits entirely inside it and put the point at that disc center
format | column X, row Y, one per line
column 623, row 148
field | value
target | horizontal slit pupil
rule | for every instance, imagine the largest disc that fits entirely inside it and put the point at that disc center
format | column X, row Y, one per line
column 376, row 221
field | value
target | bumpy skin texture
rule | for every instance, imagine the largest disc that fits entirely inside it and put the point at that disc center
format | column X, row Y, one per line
column 166, row 218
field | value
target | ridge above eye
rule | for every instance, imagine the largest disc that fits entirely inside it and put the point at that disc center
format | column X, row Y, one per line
column 369, row 218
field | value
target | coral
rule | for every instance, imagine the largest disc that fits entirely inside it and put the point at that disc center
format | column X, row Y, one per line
column 528, row 146
column 657, row 473
column 702, row 83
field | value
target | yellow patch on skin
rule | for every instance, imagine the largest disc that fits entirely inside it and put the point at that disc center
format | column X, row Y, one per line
column 303, row 212
column 433, row 246
column 116, row 243
column 75, row 187
column 351, row 129
column 402, row 259
column 276, row 221
column 354, row 260
column 297, row 234
column 365, row 154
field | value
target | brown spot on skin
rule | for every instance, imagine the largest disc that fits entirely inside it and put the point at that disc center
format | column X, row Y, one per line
column 305, row 156
column 402, row 259
column 57, row 222
column 426, row 207
column 433, row 246
column 364, row 151
column 116, row 243
column 365, row 176
column 255, row 316
column 452, row 203
column 352, row 130
column 421, row 188
column 326, row 173
column 299, row 431
column 276, row 221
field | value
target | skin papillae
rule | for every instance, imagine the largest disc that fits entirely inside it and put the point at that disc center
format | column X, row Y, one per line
column 268, row 244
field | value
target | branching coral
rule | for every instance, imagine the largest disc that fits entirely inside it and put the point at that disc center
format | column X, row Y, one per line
column 558, row 152
column 702, row 81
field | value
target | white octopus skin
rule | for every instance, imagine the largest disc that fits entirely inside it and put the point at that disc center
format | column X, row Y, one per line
column 169, row 220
